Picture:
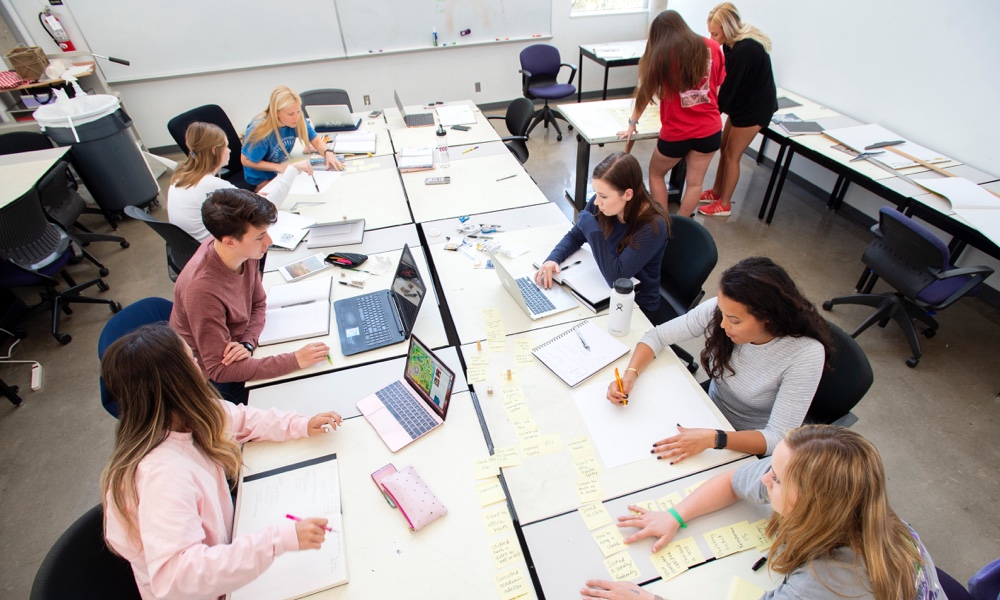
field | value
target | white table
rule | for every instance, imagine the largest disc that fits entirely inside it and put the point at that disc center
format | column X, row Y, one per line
column 20, row 172
column 376, row 125
column 511, row 219
column 609, row 55
column 409, row 137
column 375, row 241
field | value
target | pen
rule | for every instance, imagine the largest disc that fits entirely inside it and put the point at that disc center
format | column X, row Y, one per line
column 507, row 177
column 622, row 390
column 563, row 268
column 294, row 518
column 314, row 182
column 350, row 284
column 484, row 225
column 884, row 144
column 582, row 341
column 469, row 150
column 328, row 359
column 481, row 237
column 358, row 270
column 760, row 563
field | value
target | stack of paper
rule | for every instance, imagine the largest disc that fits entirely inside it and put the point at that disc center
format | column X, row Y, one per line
column 460, row 114
column 297, row 311
column 977, row 206
column 358, row 142
column 415, row 159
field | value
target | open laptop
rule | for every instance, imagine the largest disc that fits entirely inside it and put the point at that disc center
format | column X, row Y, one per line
column 332, row 117
column 410, row 407
column 384, row 317
column 533, row 300
column 417, row 120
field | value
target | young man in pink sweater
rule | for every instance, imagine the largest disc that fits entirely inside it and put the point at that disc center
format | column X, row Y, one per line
column 219, row 301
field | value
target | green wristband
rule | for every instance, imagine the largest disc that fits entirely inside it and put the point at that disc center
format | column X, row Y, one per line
column 677, row 516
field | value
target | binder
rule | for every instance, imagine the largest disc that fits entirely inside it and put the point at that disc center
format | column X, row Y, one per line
column 568, row 356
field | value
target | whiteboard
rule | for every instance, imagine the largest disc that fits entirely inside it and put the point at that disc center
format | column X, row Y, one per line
column 165, row 38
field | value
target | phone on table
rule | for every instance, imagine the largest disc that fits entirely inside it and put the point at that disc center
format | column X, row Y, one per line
column 304, row 268
column 374, row 114
column 437, row 180
column 461, row 127
column 381, row 474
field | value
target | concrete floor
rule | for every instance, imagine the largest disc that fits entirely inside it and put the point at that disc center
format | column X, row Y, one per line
column 931, row 423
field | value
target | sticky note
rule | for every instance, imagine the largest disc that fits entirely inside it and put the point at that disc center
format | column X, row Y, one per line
column 725, row 541
column 667, row 563
column 508, row 456
column 511, row 584
column 497, row 521
column 746, row 533
column 532, row 447
column 649, row 505
column 621, row 567
column 551, row 442
column 479, row 360
column 515, row 379
column 517, row 412
column 522, row 425
column 523, row 345
column 609, row 540
column 588, row 467
column 741, row 589
column 693, row 487
column 687, row 551
column 589, row 490
column 498, row 345
column 491, row 315
column 669, row 501
column 523, row 358
column 512, row 394
column 506, row 551
column 580, row 447
column 761, row 541
column 594, row 515
column 476, row 375
column 490, row 492
column 484, row 468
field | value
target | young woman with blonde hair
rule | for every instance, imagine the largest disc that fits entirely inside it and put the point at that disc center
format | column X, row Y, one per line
column 835, row 535
column 166, row 489
column 683, row 71
column 271, row 136
column 748, row 96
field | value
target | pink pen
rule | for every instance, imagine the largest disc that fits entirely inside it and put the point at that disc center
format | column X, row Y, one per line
column 294, row 518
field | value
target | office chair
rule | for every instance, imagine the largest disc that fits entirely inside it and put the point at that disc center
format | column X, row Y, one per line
column 33, row 251
column 213, row 113
column 326, row 96
column 917, row 264
column 540, row 66
column 517, row 119
column 985, row 584
column 844, row 383
column 80, row 566
column 132, row 317
column 180, row 245
column 23, row 141
column 688, row 260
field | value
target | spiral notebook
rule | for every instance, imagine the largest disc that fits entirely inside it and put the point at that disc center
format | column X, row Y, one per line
column 579, row 352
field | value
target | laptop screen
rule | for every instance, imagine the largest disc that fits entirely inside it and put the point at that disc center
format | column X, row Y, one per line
column 429, row 377
column 399, row 103
column 408, row 290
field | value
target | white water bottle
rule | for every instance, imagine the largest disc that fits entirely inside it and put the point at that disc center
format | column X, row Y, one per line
column 622, row 301
column 442, row 147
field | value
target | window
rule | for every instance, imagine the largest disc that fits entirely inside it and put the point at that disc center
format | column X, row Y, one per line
column 597, row 6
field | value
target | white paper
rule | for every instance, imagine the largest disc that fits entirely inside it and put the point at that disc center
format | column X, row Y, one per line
column 359, row 142
column 303, row 184
column 961, row 192
column 567, row 357
column 861, row 136
column 289, row 230
column 661, row 398
column 460, row 114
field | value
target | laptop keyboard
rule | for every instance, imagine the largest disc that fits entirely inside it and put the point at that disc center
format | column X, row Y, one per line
column 375, row 325
column 414, row 419
column 533, row 297
column 419, row 119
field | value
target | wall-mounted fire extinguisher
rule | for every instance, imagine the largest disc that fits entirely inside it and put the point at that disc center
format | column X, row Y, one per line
column 55, row 30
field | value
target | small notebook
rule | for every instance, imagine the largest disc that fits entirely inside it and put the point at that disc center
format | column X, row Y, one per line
column 296, row 311
column 584, row 280
column 289, row 230
column 359, row 142
column 339, row 233
column 567, row 356
column 785, row 102
column 415, row 159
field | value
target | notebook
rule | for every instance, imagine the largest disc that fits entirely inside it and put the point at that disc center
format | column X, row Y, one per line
column 409, row 408
column 306, row 489
column 535, row 301
column 584, row 280
column 579, row 352
column 297, row 311
column 384, row 317
column 332, row 117
column 288, row 230
column 415, row 120
column 415, row 159
column 358, row 142
column 339, row 233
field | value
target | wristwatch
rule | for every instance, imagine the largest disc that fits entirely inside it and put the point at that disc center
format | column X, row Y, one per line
column 721, row 439
column 631, row 122
column 327, row 150
column 250, row 348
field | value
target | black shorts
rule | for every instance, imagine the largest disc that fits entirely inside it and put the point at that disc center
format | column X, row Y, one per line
column 761, row 121
column 705, row 145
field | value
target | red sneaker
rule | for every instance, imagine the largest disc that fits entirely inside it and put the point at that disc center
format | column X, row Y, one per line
column 715, row 209
column 708, row 196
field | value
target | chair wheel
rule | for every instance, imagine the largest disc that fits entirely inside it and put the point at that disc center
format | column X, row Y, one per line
column 123, row 244
column 912, row 361
column 103, row 286
column 559, row 138
column 929, row 333
column 828, row 305
column 570, row 127
column 116, row 307
column 104, row 272
column 64, row 338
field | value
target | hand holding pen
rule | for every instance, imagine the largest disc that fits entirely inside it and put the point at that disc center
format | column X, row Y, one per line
column 548, row 269
column 621, row 387
column 310, row 532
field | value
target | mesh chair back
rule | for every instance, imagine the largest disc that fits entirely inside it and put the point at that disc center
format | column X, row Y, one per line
column 903, row 253
column 130, row 318
column 180, row 245
column 60, row 201
column 23, row 141
column 26, row 236
column 844, row 383
column 517, row 119
column 324, row 97
column 688, row 260
column 210, row 113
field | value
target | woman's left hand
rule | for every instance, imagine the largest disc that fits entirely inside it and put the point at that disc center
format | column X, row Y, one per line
column 614, row 590
column 688, row 442
column 332, row 162
column 324, row 423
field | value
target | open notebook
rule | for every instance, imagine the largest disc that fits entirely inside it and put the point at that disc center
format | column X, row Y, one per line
column 296, row 311
column 579, row 352
column 583, row 278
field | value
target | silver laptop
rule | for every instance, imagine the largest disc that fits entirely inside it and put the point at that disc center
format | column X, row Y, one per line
column 411, row 407
column 417, row 120
column 332, row 117
column 533, row 300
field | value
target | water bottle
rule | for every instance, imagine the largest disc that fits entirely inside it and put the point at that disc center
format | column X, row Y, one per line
column 442, row 147
column 622, row 301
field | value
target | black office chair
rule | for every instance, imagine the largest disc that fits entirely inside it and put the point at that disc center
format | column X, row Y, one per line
column 180, row 245
column 540, row 67
column 917, row 264
column 517, row 119
column 79, row 566
column 23, row 141
column 326, row 96
column 688, row 260
column 844, row 383
column 213, row 113
column 132, row 317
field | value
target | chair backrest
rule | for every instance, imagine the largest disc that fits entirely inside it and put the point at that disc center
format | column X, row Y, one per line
column 23, row 141
column 61, row 202
column 79, row 565
column 688, row 260
column 180, row 245
column 210, row 113
column 844, row 383
column 903, row 252
column 26, row 236
column 324, row 96
column 130, row 318
column 517, row 119
column 541, row 60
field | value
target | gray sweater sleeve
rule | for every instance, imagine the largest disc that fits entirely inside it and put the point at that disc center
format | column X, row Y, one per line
column 684, row 327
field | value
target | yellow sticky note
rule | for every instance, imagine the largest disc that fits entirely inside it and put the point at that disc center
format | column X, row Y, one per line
column 479, row 360
column 506, row 551
column 667, row 563
column 512, row 394
column 693, row 487
column 531, row 447
column 529, row 435
column 551, row 442
column 589, row 490
column 580, row 447
column 649, row 505
column 491, row 315
column 523, row 345
column 588, row 467
column 498, row 345
column 514, row 379
column 511, row 584
column 687, row 551
column 518, row 412
column 761, row 541
column 725, row 541
column 522, row 425
column 741, row 589
column 594, row 515
column 497, row 521
column 609, row 540
column 746, row 533
column 669, row 501
column 508, row 456
column 490, row 492
column 476, row 375
column 484, row 468
column 523, row 358
column 621, row 567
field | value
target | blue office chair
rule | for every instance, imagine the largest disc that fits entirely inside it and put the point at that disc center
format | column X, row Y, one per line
column 918, row 265
column 213, row 113
column 132, row 317
column 517, row 119
column 540, row 67
column 985, row 584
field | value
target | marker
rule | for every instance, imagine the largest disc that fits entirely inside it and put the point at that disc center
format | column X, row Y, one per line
column 537, row 35
column 351, row 284
column 582, row 341
column 563, row 268
column 314, row 182
column 294, row 518
column 435, row 36
column 328, row 359
column 622, row 390
column 469, row 150
column 760, row 563
column 507, row 177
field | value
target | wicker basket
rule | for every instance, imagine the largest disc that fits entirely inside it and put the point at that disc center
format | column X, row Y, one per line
column 29, row 63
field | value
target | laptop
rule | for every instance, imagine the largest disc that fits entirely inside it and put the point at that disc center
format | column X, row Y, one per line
column 410, row 407
column 333, row 117
column 417, row 120
column 533, row 300
column 384, row 317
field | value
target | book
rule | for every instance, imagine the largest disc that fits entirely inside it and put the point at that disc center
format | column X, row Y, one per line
column 415, row 159
column 794, row 125
column 306, row 489
column 296, row 311
column 339, row 233
column 358, row 142
column 585, row 280
column 786, row 102
column 289, row 230
column 568, row 356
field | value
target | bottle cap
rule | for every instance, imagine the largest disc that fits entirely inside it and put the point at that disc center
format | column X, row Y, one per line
column 624, row 286
column 441, row 130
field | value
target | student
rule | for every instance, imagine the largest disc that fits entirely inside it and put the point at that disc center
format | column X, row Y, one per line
column 208, row 151
column 167, row 503
column 263, row 156
column 626, row 230
column 748, row 96
column 765, row 352
column 219, row 301
column 835, row 535
column 684, row 71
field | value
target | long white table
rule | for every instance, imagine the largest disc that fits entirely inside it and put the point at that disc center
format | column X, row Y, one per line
column 20, row 172
column 408, row 137
column 375, row 241
column 511, row 219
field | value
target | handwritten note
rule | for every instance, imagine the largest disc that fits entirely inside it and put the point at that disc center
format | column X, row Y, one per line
column 761, row 541
column 588, row 468
column 476, row 375
column 589, row 490
column 484, row 468
column 594, row 515
column 741, row 589
column 506, row 551
column 669, row 501
column 498, row 345
column 479, row 360
column 523, row 358
column 523, row 345
column 507, row 456
column 675, row 558
column 517, row 411
column 525, row 426
column 490, row 492
column 580, row 447
column 512, row 395
column 609, row 540
column 648, row 505
column 621, row 567
column 511, row 584
column 497, row 521
column 532, row 448
column 693, row 487
column 725, row 541
column 550, row 443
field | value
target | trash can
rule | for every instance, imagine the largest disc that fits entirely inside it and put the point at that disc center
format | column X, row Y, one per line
column 103, row 152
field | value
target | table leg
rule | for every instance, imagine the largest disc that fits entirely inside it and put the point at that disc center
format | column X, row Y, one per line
column 832, row 200
column 781, row 183
column 843, row 193
column 11, row 393
column 579, row 81
column 760, row 151
column 675, row 182
column 770, row 182
column 604, row 95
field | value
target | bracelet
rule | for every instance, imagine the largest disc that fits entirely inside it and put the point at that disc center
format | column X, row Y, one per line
column 633, row 369
column 677, row 516
column 632, row 123
column 327, row 150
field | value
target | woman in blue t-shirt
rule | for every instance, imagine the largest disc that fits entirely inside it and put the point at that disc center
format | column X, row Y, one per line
column 263, row 156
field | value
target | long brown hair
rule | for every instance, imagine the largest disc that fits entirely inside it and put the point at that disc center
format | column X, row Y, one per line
column 206, row 144
column 675, row 60
column 770, row 295
column 267, row 121
column 622, row 172
column 841, row 501
column 158, row 388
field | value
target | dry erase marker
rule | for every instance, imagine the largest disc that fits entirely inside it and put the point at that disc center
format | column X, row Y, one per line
column 760, row 563
column 351, row 284
column 618, row 378
column 507, row 177
column 294, row 518
column 328, row 359
column 469, row 150
column 314, row 182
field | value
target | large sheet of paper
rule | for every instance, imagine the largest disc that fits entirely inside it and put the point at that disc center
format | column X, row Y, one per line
column 460, row 114
column 661, row 399
column 977, row 206
column 860, row 136
column 303, row 184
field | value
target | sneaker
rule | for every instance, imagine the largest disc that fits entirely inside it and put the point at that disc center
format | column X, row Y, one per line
column 715, row 209
column 707, row 196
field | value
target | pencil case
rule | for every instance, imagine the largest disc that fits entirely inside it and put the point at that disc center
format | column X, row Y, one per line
column 346, row 259
column 415, row 500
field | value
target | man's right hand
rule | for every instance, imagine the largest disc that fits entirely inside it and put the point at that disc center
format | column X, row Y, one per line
column 310, row 354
